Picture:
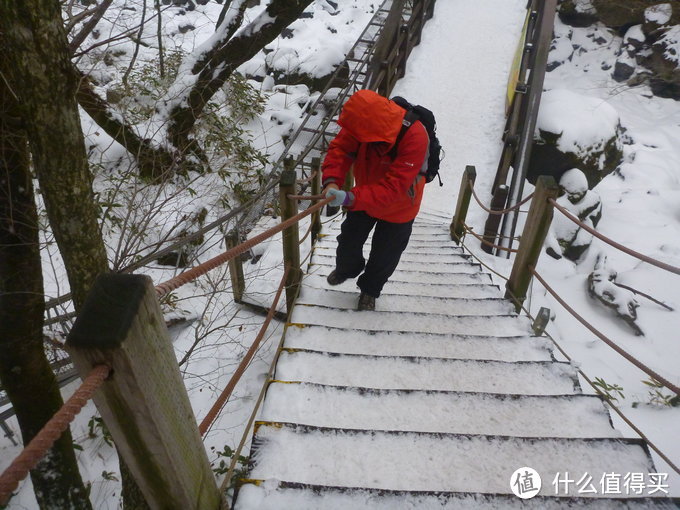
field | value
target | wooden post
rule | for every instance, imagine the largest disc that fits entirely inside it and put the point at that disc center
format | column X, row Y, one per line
column 316, row 189
column 535, row 230
column 494, row 220
column 458, row 224
column 144, row 402
column 430, row 9
column 238, row 282
column 291, row 235
column 404, row 50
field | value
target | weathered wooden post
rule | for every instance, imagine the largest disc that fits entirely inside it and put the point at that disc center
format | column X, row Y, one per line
column 493, row 221
column 404, row 51
column 238, row 282
column 458, row 224
column 316, row 190
column 536, row 228
column 144, row 402
column 291, row 235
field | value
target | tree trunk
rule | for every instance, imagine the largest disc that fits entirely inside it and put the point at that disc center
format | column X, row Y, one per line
column 217, row 64
column 42, row 77
column 25, row 372
column 154, row 163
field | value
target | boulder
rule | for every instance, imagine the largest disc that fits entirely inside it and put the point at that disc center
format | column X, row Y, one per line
column 575, row 131
column 577, row 13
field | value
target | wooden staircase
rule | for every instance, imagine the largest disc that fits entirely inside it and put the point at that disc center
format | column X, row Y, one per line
column 431, row 401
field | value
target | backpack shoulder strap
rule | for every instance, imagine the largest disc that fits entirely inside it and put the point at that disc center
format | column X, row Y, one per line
column 408, row 121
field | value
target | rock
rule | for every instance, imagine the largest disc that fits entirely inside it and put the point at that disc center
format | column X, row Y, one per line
column 186, row 28
column 601, row 286
column 663, row 63
column 575, row 131
column 622, row 71
column 619, row 14
column 577, row 13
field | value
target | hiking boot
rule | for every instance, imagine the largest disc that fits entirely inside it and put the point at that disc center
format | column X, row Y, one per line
column 334, row 278
column 366, row 303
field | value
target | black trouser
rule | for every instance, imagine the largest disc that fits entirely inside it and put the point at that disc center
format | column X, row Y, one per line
column 389, row 241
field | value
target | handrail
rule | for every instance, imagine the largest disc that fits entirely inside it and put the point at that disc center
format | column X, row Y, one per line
column 603, row 395
column 502, row 211
column 164, row 288
column 484, row 241
column 618, row 246
column 37, row 448
column 221, row 401
column 604, row 338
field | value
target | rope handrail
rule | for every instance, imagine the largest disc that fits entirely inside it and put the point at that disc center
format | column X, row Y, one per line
column 482, row 263
column 488, row 243
column 604, row 338
column 501, row 211
column 618, row 246
column 308, row 179
column 307, row 197
column 599, row 392
column 37, row 448
column 191, row 274
column 221, row 401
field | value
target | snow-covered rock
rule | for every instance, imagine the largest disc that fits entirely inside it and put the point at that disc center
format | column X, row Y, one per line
column 575, row 131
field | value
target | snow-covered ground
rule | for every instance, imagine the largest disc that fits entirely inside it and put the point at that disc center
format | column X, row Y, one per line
column 459, row 70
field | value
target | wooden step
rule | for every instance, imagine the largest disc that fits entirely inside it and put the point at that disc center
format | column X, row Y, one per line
column 342, row 299
column 273, row 495
column 418, row 461
column 438, row 411
column 407, row 343
column 419, row 373
column 411, row 321
column 402, row 288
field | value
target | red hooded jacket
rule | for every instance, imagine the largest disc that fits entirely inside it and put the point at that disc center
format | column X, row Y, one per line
column 386, row 189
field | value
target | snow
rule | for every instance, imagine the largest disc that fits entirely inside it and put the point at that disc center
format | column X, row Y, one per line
column 659, row 13
column 461, row 77
column 582, row 121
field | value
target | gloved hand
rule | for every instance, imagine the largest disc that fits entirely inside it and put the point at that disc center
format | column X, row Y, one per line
column 340, row 197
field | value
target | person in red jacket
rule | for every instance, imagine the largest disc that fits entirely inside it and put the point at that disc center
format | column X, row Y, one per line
column 387, row 194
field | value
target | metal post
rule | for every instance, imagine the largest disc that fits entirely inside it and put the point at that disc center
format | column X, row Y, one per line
column 144, row 402
column 535, row 230
column 291, row 235
column 457, row 227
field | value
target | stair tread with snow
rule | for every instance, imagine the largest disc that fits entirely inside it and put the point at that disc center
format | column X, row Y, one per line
column 401, row 372
column 437, row 411
column 420, row 461
column 407, row 343
column 268, row 495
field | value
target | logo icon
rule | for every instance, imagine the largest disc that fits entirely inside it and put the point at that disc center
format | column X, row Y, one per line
column 525, row 483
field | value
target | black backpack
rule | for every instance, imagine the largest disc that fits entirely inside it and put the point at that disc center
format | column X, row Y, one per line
column 414, row 113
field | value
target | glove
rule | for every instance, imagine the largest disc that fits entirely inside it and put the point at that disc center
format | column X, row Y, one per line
column 340, row 197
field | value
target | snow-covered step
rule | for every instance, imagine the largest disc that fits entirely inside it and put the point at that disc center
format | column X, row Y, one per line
column 347, row 341
column 417, row 461
column 425, row 257
column 457, row 267
column 510, row 325
column 461, row 290
column 416, row 373
column 331, row 297
column 416, row 240
column 437, row 411
column 272, row 495
column 458, row 274
column 419, row 231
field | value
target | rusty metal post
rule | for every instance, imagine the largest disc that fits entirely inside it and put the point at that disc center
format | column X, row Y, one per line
column 458, row 224
column 533, row 235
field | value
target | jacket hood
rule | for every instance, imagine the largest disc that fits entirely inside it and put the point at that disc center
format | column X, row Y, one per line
column 370, row 117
